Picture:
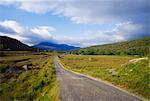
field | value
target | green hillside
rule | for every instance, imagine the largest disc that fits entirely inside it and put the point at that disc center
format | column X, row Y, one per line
column 10, row 44
column 133, row 47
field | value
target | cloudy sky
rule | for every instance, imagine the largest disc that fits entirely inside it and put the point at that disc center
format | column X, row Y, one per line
column 75, row 22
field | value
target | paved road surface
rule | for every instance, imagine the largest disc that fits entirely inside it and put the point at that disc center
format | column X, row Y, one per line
column 74, row 87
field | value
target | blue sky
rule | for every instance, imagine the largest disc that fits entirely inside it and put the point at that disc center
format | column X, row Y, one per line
column 81, row 23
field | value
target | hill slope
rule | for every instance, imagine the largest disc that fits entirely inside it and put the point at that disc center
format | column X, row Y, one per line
column 10, row 44
column 133, row 47
column 53, row 46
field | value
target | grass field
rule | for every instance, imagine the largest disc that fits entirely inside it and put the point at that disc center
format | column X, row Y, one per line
column 36, row 83
column 135, row 77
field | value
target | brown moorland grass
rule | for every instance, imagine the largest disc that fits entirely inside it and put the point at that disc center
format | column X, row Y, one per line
column 37, row 83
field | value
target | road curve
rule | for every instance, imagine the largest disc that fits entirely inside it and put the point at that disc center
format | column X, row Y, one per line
column 74, row 87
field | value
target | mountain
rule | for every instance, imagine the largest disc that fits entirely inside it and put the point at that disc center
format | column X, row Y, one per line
column 133, row 47
column 10, row 44
column 54, row 46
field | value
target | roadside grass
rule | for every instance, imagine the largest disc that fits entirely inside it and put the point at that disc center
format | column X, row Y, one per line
column 135, row 77
column 37, row 84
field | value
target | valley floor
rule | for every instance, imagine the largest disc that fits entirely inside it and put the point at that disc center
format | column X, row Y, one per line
column 33, row 76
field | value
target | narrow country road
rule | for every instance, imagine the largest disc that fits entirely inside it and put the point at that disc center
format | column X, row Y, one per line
column 75, row 87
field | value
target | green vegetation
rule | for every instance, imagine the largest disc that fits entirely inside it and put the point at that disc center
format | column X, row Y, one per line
column 119, row 70
column 36, row 83
column 134, row 47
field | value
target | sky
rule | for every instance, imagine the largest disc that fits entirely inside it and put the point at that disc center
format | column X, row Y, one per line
column 75, row 22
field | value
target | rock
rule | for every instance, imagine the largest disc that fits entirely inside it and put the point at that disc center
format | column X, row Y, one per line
column 29, row 67
column 25, row 67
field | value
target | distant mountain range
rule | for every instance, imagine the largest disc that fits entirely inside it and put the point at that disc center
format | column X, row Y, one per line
column 10, row 44
column 54, row 46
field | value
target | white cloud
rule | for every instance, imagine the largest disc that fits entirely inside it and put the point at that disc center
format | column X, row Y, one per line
column 43, row 31
column 12, row 26
column 133, row 14
column 121, row 32
column 91, row 11
column 37, row 6
column 103, row 11
column 7, row 2
column 25, row 34
column 130, row 30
